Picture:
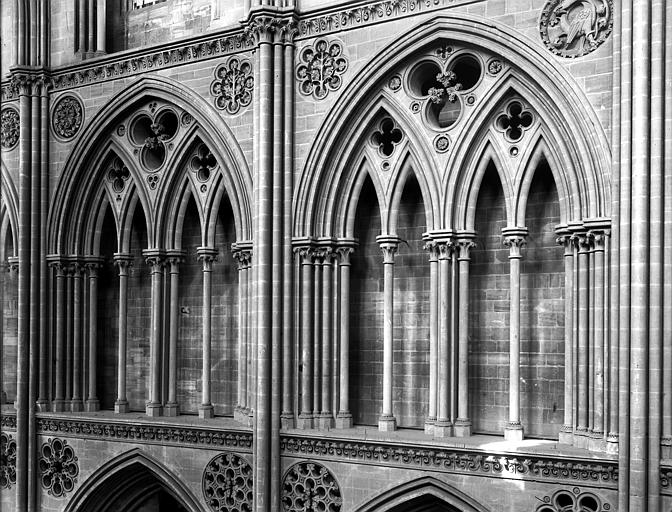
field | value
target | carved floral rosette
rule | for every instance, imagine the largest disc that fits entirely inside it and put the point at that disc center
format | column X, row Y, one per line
column 573, row 28
column 58, row 467
column 9, row 119
column 67, row 117
column 310, row 487
column 233, row 84
column 7, row 461
column 228, row 484
column 320, row 68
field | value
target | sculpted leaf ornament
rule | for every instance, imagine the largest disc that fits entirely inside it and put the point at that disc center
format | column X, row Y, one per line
column 10, row 128
column 320, row 68
column 233, row 84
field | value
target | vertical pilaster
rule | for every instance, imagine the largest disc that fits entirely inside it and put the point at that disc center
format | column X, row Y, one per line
column 444, row 426
column 207, row 256
column 123, row 262
column 326, row 420
column 243, row 257
column 58, row 404
column 92, row 265
column 566, row 431
column 317, row 332
column 465, row 243
column 305, row 419
column 583, row 258
column 514, row 239
column 388, row 245
column 173, row 259
column 155, row 260
column 344, row 417
column 431, row 248
column 598, row 442
column 76, row 403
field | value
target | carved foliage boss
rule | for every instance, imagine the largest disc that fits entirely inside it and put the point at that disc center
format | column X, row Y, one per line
column 572, row 28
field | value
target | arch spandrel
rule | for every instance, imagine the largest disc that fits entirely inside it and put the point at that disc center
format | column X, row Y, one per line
column 584, row 154
column 75, row 184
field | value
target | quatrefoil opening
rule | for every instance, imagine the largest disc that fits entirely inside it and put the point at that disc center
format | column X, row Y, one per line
column 203, row 163
column 118, row 175
column 514, row 121
column 387, row 137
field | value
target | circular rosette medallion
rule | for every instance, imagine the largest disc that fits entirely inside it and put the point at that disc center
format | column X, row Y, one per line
column 227, row 484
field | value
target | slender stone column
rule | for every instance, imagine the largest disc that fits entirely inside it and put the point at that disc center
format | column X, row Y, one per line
column 58, row 404
column 431, row 248
column 76, row 403
column 122, row 261
column 326, row 420
column 597, row 433
column 92, row 265
column 344, row 417
column 101, row 15
column 69, row 315
column 155, row 260
column 388, row 245
column 317, row 333
column 444, row 426
column 243, row 256
column 173, row 259
column 582, row 348
column 514, row 239
column 463, row 423
column 207, row 256
column 305, row 419
column 566, row 431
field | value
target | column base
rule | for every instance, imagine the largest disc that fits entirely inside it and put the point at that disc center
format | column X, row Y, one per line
column 206, row 411
column 325, row 421
column 597, row 443
column 76, row 405
column 304, row 421
column 92, row 405
column 240, row 415
column 443, row 428
column 286, row 420
column 58, row 405
column 581, row 438
column 121, row 406
column 462, row 427
column 41, row 405
column 387, row 423
column 343, row 420
column 513, row 432
column 566, row 436
column 171, row 409
column 429, row 426
column 153, row 409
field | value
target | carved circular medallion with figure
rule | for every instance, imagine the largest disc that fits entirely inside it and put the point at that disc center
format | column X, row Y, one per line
column 573, row 28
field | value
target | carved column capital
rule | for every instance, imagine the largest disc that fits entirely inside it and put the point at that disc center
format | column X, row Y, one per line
column 13, row 264
column 564, row 238
column 598, row 238
column 206, row 255
column 464, row 246
column 92, row 264
column 514, row 239
column 432, row 249
column 388, row 245
column 243, row 257
column 582, row 241
column 155, row 258
column 122, row 261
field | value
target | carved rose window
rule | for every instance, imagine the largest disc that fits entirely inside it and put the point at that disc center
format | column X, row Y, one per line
column 320, row 68
column 7, row 461
column 514, row 121
column 573, row 28
column 310, row 487
column 386, row 137
column 9, row 120
column 68, row 117
column 572, row 501
column 227, row 484
column 58, row 466
column 233, row 84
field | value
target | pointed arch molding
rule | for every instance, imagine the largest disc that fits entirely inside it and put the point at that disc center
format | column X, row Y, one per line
column 425, row 486
column 77, row 185
column 109, row 482
column 9, row 208
column 580, row 164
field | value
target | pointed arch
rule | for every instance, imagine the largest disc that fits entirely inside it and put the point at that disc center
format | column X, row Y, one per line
column 117, row 476
column 352, row 194
column 74, row 186
column 428, row 486
column 95, row 227
column 397, row 186
column 585, row 151
column 9, row 214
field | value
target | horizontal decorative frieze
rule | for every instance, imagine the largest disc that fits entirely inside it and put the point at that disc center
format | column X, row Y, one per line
column 455, row 460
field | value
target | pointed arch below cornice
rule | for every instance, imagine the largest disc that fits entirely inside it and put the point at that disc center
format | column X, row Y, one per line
column 351, row 195
column 9, row 217
column 428, row 486
column 325, row 210
column 584, row 158
column 74, row 184
column 110, row 480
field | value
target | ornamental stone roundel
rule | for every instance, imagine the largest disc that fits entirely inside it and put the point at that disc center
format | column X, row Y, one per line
column 10, row 128
column 227, row 483
column 572, row 28
column 320, row 68
column 58, row 467
column 7, row 461
column 67, row 117
column 233, row 84
column 310, row 487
